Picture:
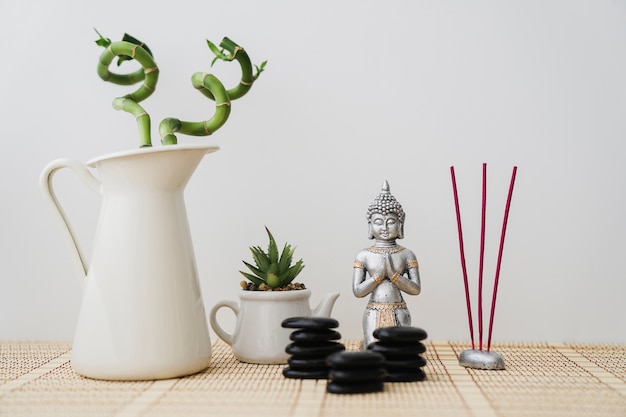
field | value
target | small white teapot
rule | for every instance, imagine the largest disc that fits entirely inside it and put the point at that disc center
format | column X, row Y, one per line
column 259, row 336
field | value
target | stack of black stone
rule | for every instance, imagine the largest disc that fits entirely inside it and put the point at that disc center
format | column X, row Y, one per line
column 312, row 341
column 356, row 372
column 402, row 348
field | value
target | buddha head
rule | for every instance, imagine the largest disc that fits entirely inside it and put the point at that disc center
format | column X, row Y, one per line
column 385, row 216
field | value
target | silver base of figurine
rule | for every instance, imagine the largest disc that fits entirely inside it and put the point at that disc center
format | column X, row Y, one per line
column 481, row 359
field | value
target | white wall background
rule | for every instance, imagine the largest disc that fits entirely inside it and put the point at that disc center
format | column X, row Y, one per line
column 355, row 92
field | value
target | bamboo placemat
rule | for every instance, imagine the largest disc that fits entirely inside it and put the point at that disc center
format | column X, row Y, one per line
column 36, row 379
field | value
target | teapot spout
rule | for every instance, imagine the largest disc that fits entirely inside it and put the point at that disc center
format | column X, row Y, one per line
column 325, row 306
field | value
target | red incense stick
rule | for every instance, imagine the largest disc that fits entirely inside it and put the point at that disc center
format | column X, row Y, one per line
column 482, row 258
column 497, row 278
column 462, row 249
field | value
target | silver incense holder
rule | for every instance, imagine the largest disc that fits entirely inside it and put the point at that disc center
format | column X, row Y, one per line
column 481, row 359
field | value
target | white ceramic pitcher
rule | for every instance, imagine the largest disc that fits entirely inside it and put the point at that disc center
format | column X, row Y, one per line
column 142, row 314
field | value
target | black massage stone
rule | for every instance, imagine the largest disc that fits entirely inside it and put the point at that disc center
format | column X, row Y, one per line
column 356, row 372
column 406, row 376
column 389, row 349
column 289, row 372
column 355, row 388
column 405, row 363
column 402, row 348
column 357, row 375
column 400, row 334
column 307, row 363
column 347, row 360
column 306, row 336
column 310, row 323
column 312, row 341
column 314, row 350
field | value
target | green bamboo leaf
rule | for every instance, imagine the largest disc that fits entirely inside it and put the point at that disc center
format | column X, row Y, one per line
column 130, row 39
column 135, row 41
column 219, row 53
column 104, row 42
column 259, row 69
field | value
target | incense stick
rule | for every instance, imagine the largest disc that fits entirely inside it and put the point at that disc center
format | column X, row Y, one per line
column 482, row 254
column 497, row 278
column 462, row 250
column 482, row 258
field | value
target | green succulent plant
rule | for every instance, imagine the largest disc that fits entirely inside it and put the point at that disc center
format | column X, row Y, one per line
column 272, row 268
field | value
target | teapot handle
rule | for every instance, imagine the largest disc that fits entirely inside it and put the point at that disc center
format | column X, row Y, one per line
column 45, row 182
column 226, row 337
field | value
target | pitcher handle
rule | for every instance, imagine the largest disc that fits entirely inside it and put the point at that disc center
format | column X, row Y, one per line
column 45, row 182
column 222, row 334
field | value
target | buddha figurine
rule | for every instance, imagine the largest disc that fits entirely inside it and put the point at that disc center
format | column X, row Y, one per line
column 386, row 269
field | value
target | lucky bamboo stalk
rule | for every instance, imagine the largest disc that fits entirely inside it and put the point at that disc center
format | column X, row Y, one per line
column 213, row 88
column 236, row 52
column 205, row 83
column 209, row 85
column 131, row 48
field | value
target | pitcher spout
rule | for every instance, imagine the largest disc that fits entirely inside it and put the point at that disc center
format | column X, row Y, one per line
column 325, row 306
